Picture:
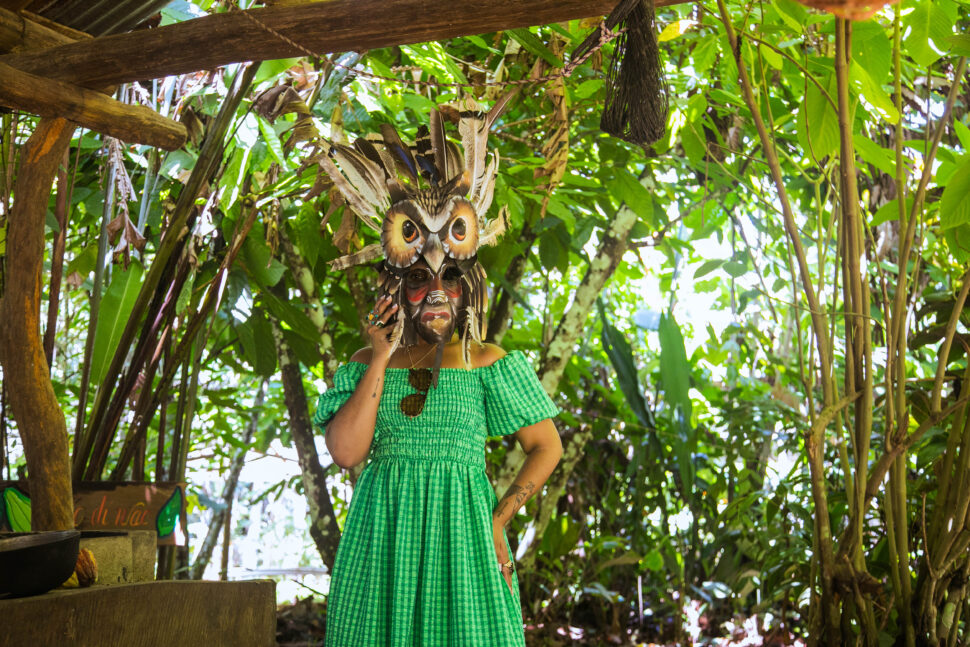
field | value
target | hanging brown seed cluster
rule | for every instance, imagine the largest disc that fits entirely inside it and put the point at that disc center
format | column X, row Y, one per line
column 636, row 92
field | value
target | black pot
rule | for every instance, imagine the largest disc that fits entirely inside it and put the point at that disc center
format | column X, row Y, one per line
column 35, row 562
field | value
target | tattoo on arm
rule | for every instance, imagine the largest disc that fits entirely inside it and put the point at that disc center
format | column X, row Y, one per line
column 515, row 496
column 377, row 388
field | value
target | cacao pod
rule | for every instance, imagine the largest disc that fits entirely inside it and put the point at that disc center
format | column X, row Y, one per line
column 86, row 568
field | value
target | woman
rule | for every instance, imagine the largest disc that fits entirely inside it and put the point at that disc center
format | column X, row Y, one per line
column 415, row 565
column 423, row 559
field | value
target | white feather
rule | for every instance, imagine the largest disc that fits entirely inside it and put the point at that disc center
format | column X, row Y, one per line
column 360, row 206
column 366, row 255
column 366, row 176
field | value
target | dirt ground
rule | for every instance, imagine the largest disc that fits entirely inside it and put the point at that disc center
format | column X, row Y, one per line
column 303, row 625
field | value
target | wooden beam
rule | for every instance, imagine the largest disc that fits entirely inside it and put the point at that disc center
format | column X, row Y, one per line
column 49, row 98
column 323, row 27
column 19, row 33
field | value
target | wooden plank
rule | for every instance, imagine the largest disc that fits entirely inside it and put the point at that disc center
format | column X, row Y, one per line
column 49, row 98
column 323, row 27
column 182, row 614
column 18, row 33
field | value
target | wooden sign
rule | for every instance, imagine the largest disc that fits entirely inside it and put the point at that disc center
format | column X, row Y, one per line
column 106, row 506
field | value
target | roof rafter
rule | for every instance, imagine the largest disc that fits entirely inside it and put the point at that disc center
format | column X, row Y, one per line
column 91, row 109
column 324, row 27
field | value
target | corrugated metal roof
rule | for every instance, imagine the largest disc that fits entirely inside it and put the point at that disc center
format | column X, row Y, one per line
column 97, row 17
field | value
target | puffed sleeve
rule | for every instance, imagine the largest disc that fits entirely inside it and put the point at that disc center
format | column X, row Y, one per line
column 514, row 397
column 344, row 382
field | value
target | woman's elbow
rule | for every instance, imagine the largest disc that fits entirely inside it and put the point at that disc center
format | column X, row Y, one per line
column 342, row 456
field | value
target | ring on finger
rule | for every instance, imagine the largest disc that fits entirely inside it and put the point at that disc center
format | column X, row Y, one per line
column 379, row 324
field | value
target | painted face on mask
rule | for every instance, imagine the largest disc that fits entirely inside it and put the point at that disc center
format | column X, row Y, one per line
column 432, row 300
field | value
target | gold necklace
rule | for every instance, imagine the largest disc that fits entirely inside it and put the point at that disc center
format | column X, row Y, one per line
column 407, row 349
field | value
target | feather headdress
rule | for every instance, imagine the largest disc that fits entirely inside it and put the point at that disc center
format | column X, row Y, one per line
column 428, row 201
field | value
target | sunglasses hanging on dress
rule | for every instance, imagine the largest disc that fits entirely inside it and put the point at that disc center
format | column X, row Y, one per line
column 420, row 380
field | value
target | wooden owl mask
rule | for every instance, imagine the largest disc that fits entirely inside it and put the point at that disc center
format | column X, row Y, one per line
column 428, row 202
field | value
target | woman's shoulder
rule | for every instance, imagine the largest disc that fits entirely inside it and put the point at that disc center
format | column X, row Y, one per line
column 486, row 354
column 363, row 356
column 482, row 355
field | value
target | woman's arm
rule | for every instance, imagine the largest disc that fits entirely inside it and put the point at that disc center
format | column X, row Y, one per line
column 543, row 449
column 350, row 432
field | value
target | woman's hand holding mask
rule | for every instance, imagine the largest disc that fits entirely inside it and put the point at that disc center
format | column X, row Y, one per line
column 384, row 339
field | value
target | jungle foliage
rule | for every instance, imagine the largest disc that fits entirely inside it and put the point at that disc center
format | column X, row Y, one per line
column 766, row 404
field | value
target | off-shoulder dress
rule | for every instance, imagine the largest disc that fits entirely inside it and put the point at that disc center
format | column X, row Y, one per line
column 416, row 563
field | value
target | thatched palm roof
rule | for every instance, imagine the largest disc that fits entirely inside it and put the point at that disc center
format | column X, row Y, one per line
column 96, row 17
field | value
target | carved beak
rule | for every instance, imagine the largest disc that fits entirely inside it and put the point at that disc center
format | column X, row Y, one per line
column 433, row 252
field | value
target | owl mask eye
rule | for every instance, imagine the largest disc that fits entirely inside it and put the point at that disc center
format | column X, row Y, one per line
column 459, row 236
column 401, row 236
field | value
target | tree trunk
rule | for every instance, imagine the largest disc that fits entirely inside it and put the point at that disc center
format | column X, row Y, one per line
column 220, row 518
column 39, row 417
column 323, row 522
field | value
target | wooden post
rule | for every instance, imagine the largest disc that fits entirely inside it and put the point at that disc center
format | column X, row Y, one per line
column 49, row 98
column 39, row 417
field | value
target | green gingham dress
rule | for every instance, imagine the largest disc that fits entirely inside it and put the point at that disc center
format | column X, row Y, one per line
column 416, row 564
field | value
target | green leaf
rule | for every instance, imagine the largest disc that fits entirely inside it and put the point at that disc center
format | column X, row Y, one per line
column 621, row 356
column 864, row 85
column 708, row 267
column 872, row 49
column 17, row 506
column 169, row 514
column 773, row 58
column 256, row 336
column 653, row 561
column 963, row 134
column 958, row 242
column 587, row 88
column 674, row 369
column 289, row 314
column 550, row 251
column 113, row 317
column 890, row 211
column 736, row 268
column 274, row 68
column 954, row 203
column 791, row 13
column 704, row 54
column 533, row 45
column 627, row 188
column 272, row 142
column 695, row 146
column 84, row 262
column 928, row 28
column 675, row 29
column 959, row 44
column 818, row 123
column 872, row 153
column 256, row 259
